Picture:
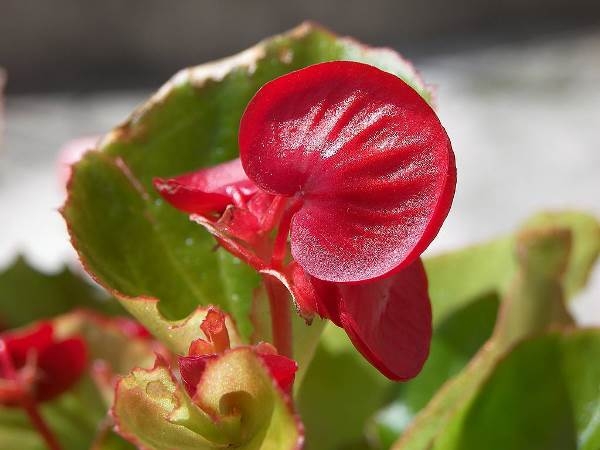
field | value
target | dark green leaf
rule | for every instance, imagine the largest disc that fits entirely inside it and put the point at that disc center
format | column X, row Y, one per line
column 544, row 395
column 27, row 295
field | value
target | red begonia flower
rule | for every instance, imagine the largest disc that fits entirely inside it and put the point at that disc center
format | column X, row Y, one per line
column 356, row 166
column 202, row 352
column 38, row 366
column 364, row 154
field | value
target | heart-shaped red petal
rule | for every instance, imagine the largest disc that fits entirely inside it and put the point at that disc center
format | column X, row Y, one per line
column 367, row 156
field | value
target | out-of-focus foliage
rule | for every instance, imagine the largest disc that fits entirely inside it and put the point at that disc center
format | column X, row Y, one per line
column 79, row 417
column 27, row 295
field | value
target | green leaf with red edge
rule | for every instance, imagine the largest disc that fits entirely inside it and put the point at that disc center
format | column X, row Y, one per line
column 176, row 335
column 236, row 405
column 27, row 295
column 132, row 241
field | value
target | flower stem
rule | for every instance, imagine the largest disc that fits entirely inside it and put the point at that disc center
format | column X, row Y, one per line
column 40, row 425
column 281, row 317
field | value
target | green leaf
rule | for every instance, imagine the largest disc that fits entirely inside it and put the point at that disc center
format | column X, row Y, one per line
column 533, row 302
column 585, row 243
column 545, row 394
column 27, row 295
column 132, row 241
column 236, row 405
column 462, row 276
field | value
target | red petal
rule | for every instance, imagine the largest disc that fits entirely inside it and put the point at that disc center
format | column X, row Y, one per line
column 367, row 155
column 389, row 321
column 21, row 343
column 60, row 367
column 191, row 369
column 282, row 369
column 313, row 295
column 207, row 190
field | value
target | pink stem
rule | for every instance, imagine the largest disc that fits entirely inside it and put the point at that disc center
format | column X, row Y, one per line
column 40, row 425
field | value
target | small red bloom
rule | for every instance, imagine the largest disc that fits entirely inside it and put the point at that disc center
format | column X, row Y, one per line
column 355, row 168
column 202, row 352
column 36, row 366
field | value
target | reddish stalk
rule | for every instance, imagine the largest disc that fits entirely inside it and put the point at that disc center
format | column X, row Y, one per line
column 28, row 403
column 279, row 302
column 40, row 425
column 281, row 316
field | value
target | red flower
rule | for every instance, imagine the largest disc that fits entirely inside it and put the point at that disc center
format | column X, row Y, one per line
column 202, row 352
column 37, row 367
column 355, row 167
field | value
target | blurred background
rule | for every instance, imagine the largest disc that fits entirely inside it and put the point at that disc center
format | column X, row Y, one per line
column 517, row 90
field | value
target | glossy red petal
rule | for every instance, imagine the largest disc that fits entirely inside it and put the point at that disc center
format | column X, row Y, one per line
column 282, row 369
column 389, row 321
column 191, row 369
column 60, row 366
column 367, row 156
column 209, row 190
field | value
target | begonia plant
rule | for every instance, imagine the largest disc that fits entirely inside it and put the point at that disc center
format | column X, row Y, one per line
column 257, row 231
